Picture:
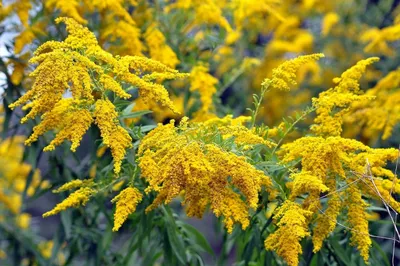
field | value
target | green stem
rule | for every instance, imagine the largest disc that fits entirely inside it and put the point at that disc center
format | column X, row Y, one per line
column 305, row 113
column 258, row 102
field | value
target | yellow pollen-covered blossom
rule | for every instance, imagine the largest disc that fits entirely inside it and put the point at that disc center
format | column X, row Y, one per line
column 78, row 65
column 329, row 21
column 23, row 220
column 77, row 183
column 381, row 114
column 126, row 202
column 326, row 220
column 204, row 83
column 305, row 182
column 78, row 198
column 124, row 37
column 158, row 48
column 357, row 218
column 187, row 160
column 333, row 159
column 70, row 118
column 208, row 12
column 14, row 174
column 66, row 7
column 347, row 91
column 291, row 220
column 378, row 39
column 285, row 75
column 114, row 136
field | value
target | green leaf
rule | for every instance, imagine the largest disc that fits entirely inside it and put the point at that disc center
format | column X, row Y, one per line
column 66, row 222
column 196, row 237
column 128, row 109
column 135, row 114
column 147, row 128
column 340, row 252
column 383, row 253
column 106, row 240
column 177, row 244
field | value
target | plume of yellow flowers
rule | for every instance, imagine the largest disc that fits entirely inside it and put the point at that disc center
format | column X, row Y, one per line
column 285, row 74
column 292, row 222
column 204, row 83
column 327, row 162
column 126, row 202
column 381, row 114
column 207, row 12
column 378, row 39
column 14, row 176
column 189, row 160
column 328, row 22
column 346, row 92
column 158, row 48
column 78, row 198
column 78, row 65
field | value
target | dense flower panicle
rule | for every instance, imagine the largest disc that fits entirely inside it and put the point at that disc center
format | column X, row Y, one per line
column 289, row 36
column 70, row 118
column 249, row 13
column 347, row 92
column 78, row 198
column 328, row 22
column 378, row 39
column 14, row 179
column 158, row 48
column 81, row 66
column 207, row 12
column 14, row 174
column 305, row 182
column 66, row 7
column 186, row 161
column 285, row 75
column 381, row 114
column 158, row 112
column 349, row 80
column 326, row 219
column 110, row 84
column 335, row 158
column 292, row 222
column 23, row 220
column 204, row 83
column 114, row 136
column 124, row 37
column 77, row 183
column 126, row 202
column 357, row 218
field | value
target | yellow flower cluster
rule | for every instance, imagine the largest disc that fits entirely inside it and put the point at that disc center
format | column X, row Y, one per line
column 378, row 39
column 381, row 114
column 328, row 22
column 78, row 65
column 292, row 222
column 188, row 161
column 114, row 136
column 158, row 48
column 126, row 202
column 324, row 161
column 207, row 12
column 326, row 220
column 357, row 218
column 204, row 83
column 77, row 198
column 347, row 91
column 14, row 178
column 285, row 75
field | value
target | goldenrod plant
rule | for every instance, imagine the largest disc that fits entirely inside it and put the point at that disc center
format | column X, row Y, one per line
column 239, row 132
